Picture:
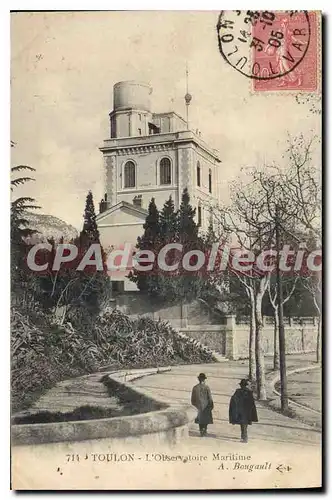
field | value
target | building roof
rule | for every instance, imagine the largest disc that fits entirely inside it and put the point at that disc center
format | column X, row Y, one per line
column 123, row 204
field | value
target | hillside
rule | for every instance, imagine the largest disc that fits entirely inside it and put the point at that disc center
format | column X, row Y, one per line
column 49, row 226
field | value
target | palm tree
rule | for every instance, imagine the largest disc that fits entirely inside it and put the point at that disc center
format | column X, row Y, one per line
column 18, row 213
column 20, row 206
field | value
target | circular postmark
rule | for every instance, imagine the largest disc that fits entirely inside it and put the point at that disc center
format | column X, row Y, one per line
column 263, row 44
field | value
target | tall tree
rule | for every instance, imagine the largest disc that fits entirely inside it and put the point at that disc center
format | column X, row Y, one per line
column 168, row 233
column 293, row 205
column 151, row 228
column 301, row 188
column 188, row 228
column 94, row 285
column 168, row 224
column 210, row 236
column 249, row 232
column 171, row 227
column 313, row 284
column 189, row 284
column 69, row 292
column 289, row 288
column 89, row 233
column 150, row 240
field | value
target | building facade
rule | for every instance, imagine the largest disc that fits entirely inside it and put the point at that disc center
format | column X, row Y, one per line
column 151, row 155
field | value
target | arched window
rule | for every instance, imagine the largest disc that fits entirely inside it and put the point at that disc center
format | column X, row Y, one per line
column 165, row 171
column 129, row 175
column 210, row 181
column 198, row 169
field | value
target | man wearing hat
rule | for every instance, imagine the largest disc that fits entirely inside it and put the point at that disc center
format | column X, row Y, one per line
column 201, row 398
column 242, row 409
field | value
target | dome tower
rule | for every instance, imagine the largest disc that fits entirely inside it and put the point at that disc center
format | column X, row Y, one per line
column 131, row 109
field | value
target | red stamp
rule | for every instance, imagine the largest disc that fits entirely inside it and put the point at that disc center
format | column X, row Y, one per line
column 277, row 50
column 297, row 71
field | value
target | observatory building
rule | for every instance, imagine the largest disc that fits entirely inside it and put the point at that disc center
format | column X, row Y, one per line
column 151, row 155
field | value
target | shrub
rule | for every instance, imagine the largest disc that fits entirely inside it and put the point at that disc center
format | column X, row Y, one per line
column 44, row 353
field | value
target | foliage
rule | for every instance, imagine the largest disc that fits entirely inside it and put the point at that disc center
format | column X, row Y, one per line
column 57, row 329
column 168, row 222
column 145, row 342
column 44, row 353
column 171, row 226
column 89, row 233
column 271, row 207
column 68, row 291
column 188, row 229
column 150, row 240
column 19, row 222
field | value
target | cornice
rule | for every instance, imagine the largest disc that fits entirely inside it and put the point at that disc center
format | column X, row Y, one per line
column 158, row 142
column 146, row 149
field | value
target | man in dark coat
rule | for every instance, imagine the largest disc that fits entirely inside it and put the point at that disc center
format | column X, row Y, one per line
column 201, row 398
column 242, row 409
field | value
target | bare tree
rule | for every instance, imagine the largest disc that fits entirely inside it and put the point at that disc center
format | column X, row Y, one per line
column 300, row 188
column 249, row 285
column 303, row 189
column 290, row 286
column 247, row 223
column 313, row 284
column 269, row 206
column 293, row 202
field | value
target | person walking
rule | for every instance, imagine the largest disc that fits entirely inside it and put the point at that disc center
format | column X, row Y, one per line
column 242, row 409
column 201, row 398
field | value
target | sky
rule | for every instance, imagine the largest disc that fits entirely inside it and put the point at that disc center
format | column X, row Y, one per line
column 64, row 66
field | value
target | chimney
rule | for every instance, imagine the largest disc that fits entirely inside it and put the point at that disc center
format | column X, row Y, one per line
column 103, row 205
column 137, row 201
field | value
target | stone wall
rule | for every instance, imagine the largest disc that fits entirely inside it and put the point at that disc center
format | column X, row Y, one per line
column 213, row 336
column 232, row 340
column 224, row 335
column 169, row 423
column 178, row 315
column 299, row 338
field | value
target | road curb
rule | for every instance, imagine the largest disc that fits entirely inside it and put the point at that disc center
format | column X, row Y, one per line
column 166, row 422
column 276, row 379
column 300, row 412
column 134, row 374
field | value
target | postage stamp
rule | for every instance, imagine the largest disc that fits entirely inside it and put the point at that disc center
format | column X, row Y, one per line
column 277, row 50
